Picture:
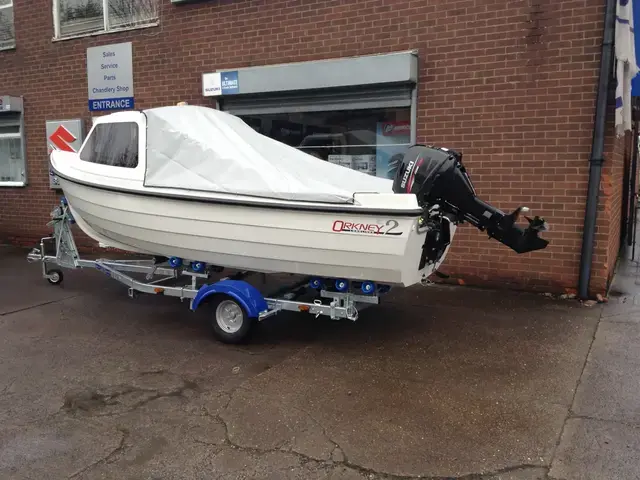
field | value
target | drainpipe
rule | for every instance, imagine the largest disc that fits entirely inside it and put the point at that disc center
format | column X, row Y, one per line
column 597, row 150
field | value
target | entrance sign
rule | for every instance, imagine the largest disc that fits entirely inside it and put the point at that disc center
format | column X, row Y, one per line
column 110, row 77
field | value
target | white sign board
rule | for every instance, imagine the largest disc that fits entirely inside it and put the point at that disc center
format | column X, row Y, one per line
column 110, row 77
column 211, row 84
column 220, row 83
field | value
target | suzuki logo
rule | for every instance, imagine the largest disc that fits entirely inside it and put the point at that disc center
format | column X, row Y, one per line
column 62, row 139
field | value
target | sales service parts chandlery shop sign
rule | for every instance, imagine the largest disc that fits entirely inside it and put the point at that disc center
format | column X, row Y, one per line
column 110, row 77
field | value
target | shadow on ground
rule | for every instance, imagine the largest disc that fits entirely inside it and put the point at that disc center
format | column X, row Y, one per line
column 436, row 382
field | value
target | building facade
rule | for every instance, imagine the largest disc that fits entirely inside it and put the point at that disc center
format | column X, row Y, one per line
column 512, row 85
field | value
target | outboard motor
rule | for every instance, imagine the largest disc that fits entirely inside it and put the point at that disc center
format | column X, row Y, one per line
column 437, row 177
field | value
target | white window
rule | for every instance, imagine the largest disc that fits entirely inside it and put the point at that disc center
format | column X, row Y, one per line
column 12, row 159
column 7, row 28
column 74, row 18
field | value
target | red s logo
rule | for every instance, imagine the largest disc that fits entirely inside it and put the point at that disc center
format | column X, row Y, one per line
column 62, row 138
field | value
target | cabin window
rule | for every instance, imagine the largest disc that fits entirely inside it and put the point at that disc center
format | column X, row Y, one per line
column 73, row 18
column 113, row 144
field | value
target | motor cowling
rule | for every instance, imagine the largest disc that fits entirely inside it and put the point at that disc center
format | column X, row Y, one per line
column 437, row 177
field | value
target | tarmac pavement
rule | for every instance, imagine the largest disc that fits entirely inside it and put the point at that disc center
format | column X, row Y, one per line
column 601, row 438
column 437, row 382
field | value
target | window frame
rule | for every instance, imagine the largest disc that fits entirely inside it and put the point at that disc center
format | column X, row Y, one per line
column 13, row 19
column 110, row 175
column 23, row 148
column 107, row 29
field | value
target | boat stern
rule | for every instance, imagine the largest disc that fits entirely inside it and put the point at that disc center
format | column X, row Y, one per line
column 427, row 248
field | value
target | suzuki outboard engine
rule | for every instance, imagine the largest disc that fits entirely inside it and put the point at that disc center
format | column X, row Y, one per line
column 437, row 177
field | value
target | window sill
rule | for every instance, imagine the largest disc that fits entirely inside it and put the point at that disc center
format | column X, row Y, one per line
column 6, row 49
column 13, row 184
column 103, row 32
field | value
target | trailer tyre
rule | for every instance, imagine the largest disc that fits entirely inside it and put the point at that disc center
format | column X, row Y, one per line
column 230, row 322
column 55, row 277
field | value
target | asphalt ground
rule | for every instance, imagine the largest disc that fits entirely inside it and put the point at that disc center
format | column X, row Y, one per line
column 436, row 382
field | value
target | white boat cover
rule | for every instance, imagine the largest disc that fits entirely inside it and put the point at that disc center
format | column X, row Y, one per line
column 199, row 148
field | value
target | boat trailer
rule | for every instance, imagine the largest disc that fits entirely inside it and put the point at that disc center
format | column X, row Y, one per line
column 237, row 305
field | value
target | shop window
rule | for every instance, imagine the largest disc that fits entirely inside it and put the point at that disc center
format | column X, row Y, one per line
column 7, row 27
column 84, row 17
column 114, row 144
column 370, row 140
column 12, row 158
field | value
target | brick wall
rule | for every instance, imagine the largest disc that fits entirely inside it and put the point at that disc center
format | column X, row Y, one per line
column 610, row 208
column 509, row 83
column 613, row 176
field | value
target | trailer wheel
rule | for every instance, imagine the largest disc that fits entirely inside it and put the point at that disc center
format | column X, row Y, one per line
column 55, row 277
column 230, row 322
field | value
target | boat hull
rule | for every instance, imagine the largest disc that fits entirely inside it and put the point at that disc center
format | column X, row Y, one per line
column 352, row 245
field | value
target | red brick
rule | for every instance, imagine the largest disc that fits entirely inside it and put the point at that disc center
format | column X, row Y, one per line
column 510, row 83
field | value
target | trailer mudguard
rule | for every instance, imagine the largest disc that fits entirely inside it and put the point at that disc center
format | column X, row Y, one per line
column 246, row 295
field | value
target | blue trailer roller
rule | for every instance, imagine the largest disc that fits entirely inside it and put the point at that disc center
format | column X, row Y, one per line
column 342, row 285
column 198, row 267
column 175, row 262
column 368, row 287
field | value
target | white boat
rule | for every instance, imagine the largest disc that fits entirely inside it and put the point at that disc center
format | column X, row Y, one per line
column 201, row 185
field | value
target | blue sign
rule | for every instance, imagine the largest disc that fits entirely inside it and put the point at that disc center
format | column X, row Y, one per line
column 229, row 82
column 111, row 104
column 635, row 83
